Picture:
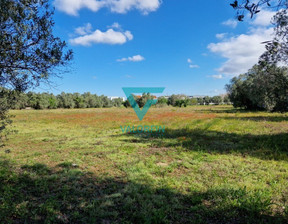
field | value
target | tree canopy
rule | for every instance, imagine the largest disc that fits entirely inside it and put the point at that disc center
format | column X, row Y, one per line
column 261, row 89
column 30, row 52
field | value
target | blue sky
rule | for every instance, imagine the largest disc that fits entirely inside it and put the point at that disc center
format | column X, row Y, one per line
column 190, row 47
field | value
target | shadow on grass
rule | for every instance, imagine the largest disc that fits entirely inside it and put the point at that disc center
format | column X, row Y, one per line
column 266, row 147
column 40, row 194
column 259, row 118
column 239, row 110
column 221, row 110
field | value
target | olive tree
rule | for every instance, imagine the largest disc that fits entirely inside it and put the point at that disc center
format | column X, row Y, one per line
column 264, row 88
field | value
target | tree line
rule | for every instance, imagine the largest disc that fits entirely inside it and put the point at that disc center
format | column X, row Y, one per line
column 20, row 100
column 183, row 101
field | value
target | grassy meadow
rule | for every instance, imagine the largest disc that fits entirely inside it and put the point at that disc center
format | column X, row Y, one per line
column 213, row 164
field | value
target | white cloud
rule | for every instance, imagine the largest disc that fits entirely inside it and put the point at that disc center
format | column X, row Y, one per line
column 135, row 58
column 263, row 18
column 83, row 30
column 221, row 35
column 216, row 76
column 129, row 35
column 190, row 62
column 242, row 51
column 145, row 6
column 72, row 7
column 231, row 23
column 193, row 66
column 116, row 26
column 111, row 36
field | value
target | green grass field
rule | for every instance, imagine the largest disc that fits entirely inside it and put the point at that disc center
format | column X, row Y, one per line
column 212, row 165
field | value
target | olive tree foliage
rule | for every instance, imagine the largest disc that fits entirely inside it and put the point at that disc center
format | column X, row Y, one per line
column 141, row 101
column 5, row 120
column 207, row 100
column 260, row 89
column 217, row 100
column 29, row 52
column 193, row 101
column 175, row 99
column 277, row 48
column 226, row 100
column 117, row 102
column 162, row 101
